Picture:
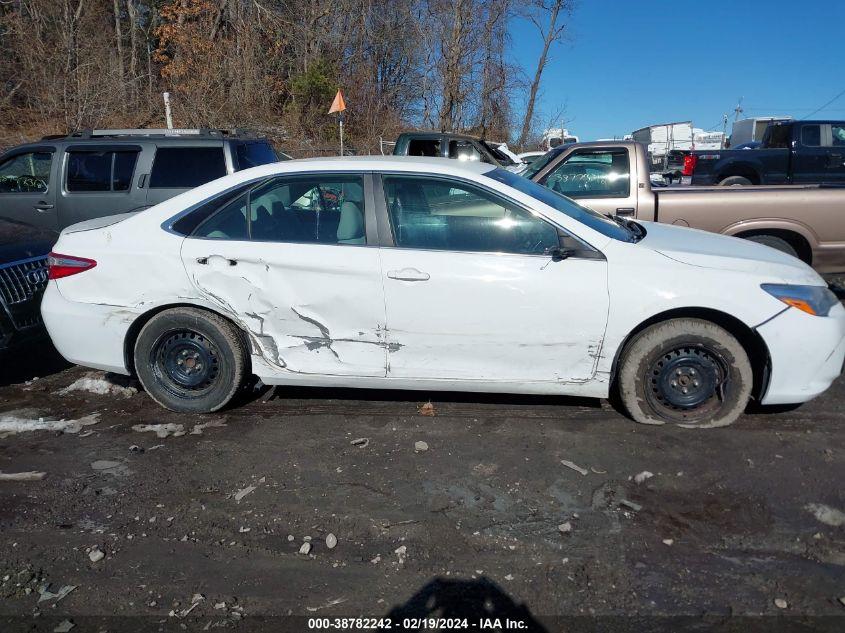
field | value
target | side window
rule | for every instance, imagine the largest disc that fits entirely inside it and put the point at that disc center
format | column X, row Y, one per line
column 315, row 210
column 253, row 154
column 838, row 135
column 811, row 135
column 463, row 150
column 320, row 210
column 186, row 167
column 229, row 223
column 434, row 214
column 26, row 173
column 596, row 174
column 424, row 147
column 99, row 171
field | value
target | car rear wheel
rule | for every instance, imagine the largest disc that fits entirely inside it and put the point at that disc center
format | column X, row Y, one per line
column 735, row 181
column 689, row 372
column 191, row 360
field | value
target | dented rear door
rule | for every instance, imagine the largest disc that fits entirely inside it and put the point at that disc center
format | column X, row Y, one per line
column 305, row 285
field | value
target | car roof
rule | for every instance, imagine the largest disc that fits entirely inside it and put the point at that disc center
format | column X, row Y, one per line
column 436, row 134
column 385, row 163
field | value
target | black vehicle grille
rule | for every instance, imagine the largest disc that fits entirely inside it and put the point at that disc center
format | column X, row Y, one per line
column 21, row 281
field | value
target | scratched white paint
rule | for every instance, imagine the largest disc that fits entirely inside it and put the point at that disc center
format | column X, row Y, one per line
column 331, row 315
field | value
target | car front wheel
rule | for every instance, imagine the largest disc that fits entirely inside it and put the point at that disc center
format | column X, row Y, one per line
column 191, row 360
column 689, row 372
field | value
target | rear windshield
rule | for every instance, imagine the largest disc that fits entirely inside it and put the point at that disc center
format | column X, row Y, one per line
column 595, row 221
column 186, row 167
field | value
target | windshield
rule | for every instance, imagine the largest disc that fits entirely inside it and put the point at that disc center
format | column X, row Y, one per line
column 541, row 161
column 499, row 155
column 618, row 230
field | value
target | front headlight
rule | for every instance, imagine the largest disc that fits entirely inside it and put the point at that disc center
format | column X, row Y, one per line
column 815, row 300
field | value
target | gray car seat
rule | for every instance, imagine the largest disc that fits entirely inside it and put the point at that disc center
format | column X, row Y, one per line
column 350, row 229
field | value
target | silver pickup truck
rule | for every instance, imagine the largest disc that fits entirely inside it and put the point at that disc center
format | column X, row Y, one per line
column 807, row 221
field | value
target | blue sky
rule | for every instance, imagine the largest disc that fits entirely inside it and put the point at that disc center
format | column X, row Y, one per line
column 631, row 63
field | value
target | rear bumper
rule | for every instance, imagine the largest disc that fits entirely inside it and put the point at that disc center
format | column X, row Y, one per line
column 87, row 334
column 807, row 354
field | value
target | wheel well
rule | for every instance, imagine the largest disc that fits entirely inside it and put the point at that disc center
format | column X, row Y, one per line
column 795, row 240
column 740, row 170
column 135, row 329
column 751, row 341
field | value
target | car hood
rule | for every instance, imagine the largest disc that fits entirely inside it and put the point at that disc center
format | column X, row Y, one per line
column 711, row 250
column 22, row 241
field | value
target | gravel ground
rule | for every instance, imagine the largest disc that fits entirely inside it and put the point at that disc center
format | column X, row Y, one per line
column 460, row 508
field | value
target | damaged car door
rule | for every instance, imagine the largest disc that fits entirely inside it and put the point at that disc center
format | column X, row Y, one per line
column 288, row 259
column 479, row 288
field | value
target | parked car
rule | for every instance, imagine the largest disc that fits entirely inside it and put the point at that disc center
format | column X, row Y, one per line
column 448, row 145
column 613, row 177
column 436, row 275
column 792, row 152
column 23, row 277
column 59, row 181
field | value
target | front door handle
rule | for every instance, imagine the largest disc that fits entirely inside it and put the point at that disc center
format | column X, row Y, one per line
column 408, row 274
column 625, row 211
column 44, row 206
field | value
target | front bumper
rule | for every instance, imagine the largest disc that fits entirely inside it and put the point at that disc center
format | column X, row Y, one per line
column 807, row 354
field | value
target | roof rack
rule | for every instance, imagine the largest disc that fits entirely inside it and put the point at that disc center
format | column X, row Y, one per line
column 149, row 132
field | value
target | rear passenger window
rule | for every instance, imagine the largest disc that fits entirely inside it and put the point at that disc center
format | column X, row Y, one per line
column 100, row 170
column 319, row 210
column 811, row 136
column 186, row 167
column 424, row 147
column 463, row 150
column 229, row 223
column 434, row 214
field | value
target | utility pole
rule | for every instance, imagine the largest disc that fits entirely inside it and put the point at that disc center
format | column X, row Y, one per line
column 738, row 109
column 167, row 114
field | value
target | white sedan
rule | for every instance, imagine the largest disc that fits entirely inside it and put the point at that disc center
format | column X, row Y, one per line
column 407, row 273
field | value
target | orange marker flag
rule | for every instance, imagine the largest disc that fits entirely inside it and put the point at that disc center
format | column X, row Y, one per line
column 338, row 105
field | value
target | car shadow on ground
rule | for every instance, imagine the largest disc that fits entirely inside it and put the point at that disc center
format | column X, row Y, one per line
column 35, row 360
column 458, row 600
column 267, row 393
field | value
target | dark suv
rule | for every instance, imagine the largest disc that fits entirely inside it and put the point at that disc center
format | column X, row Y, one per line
column 59, row 181
column 23, row 277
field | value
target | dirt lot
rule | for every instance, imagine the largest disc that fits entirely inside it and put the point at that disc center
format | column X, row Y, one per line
column 204, row 530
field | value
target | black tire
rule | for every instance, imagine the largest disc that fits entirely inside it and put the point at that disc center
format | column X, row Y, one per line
column 689, row 372
column 191, row 360
column 735, row 181
column 772, row 241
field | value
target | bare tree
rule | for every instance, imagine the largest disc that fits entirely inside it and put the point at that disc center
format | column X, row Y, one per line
column 549, row 18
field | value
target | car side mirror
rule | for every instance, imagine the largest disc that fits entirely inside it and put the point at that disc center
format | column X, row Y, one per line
column 558, row 254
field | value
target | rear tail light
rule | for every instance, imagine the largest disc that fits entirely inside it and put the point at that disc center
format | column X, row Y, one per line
column 689, row 164
column 60, row 265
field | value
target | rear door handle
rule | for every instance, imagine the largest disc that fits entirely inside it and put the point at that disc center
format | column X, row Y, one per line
column 204, row 260
column 625, row 211
column 44, row 206
column 408, row 274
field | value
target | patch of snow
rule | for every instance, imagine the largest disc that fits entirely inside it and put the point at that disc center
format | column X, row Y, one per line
column 161, row 430
column 23, row 421
column 826, row 514
column 98, row 385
